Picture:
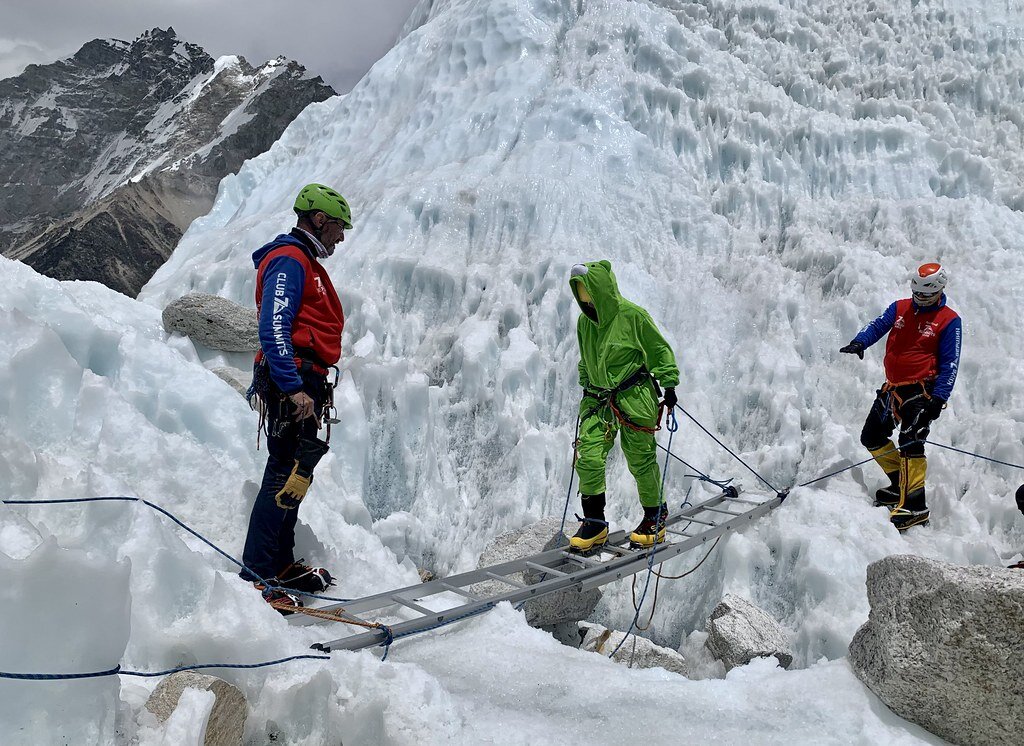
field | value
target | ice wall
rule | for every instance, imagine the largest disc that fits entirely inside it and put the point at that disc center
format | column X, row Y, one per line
column 762, row 176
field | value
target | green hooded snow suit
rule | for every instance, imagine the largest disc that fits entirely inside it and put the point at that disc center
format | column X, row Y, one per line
column 617, row 339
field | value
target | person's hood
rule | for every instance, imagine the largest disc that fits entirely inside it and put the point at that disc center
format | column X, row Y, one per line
column 598, row 279
column 285, row 239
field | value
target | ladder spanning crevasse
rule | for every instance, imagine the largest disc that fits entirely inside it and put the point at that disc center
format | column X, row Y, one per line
column 559, row 569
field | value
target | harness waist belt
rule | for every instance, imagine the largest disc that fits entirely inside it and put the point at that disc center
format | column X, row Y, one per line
column 629, row 382
column 306, row 359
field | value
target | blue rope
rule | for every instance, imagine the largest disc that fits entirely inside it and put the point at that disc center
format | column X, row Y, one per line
column 118, row 671
column 572, row 476
column 391, row 636
column 672, row 425
column 269, row 586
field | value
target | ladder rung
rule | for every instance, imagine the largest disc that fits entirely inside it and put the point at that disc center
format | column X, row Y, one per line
column 755, row 503
column 582, row 560
column 725, row 512
column 503, row 579
column 697, row 520
column 619, row 551
column 542, row 568
column 461, row 591
column 678, row 533
column 411, row 605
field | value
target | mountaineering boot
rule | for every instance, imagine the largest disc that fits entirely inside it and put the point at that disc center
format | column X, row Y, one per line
column 593, row 532
column 300, row 577
column 903, row 518
column 285, row 603
column 889, row 496
column 651, row 530
column 887, row 456
column 912, row 509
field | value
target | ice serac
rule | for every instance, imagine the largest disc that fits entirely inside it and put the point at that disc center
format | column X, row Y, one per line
column 67, row 612
column 762, row 178
column 941, row 647
column 110, row 154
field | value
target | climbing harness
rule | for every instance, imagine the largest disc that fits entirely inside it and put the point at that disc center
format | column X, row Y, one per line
column 263, row 394
column 608, row 398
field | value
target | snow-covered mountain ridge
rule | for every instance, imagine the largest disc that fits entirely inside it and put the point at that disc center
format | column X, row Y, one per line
column 760, row 205
column 111, row 153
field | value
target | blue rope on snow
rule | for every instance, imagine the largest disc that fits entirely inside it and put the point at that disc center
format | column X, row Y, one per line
column 154, row 506
column 391, row 636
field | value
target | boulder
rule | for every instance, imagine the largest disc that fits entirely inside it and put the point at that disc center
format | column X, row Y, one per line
column 549, row 611
column 237, row 378
column 644, row 654
column 738, row 631
column 214, row 322
column 226, row 722
column 942, row 647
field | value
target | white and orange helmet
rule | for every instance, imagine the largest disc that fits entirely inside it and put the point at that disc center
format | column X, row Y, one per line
column 929, row 280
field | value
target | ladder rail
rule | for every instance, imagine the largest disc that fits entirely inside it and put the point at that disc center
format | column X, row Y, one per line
column 581, row 580
column 553, row 558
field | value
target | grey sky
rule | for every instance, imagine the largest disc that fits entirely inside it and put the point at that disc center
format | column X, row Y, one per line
column 338, row 40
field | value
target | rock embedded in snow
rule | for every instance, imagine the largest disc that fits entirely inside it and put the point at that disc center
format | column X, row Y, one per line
column 237, row 378
column 739, row 631
column 645, row 654
column 214, row 322
column 226, row 720
column 549, row 611
column 942, row 645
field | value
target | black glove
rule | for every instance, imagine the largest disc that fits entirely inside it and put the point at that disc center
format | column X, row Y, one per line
column 670, row 399
column 933, row 407
column 854, row 348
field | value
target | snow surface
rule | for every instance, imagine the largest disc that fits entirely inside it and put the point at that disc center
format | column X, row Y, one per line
column 763, row 176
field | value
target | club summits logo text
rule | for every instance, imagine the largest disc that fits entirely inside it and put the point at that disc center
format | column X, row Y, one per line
column 280, row 304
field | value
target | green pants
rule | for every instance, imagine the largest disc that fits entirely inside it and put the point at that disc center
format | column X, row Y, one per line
column 598, row 426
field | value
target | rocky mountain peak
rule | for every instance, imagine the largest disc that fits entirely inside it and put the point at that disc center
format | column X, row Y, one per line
column 120, row 129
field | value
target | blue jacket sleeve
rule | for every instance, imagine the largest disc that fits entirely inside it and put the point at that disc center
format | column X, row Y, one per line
column 283, row 280
column 949, row 359
column 877, row 328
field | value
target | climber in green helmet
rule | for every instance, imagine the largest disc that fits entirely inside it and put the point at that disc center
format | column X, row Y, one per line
column 300, row 325
column 623, row 357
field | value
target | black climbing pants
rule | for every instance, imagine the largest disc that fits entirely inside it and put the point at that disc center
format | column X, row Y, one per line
column 270, row 543
column 902, row 405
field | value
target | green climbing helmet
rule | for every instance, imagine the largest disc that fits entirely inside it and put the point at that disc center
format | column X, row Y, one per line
column 319, row 197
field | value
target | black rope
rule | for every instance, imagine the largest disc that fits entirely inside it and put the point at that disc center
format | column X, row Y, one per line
column 730, row 452
column 976, row 455
column 118, row 671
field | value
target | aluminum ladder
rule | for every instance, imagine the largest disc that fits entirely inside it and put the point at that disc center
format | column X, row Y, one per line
column 558, row 570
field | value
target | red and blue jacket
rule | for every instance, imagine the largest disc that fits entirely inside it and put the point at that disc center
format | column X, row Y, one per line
column 300, row 315
column 923, row 345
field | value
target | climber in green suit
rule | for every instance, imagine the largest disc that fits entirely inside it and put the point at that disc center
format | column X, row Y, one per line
column 622, row 359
